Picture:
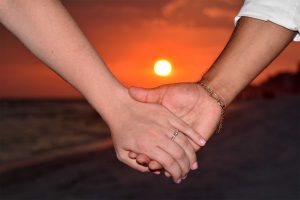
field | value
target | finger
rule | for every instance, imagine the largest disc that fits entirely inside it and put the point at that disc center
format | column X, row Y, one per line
column 177, row 152
column 153, row 95
column 132, row 155
column 143, row 159
column 157, row 172
column 167, row 174
column 154, row 165
column 167, row 161
column 132, row 163
column 183, row 141
column 136, row 166
column 188, row 131
column 196, row 147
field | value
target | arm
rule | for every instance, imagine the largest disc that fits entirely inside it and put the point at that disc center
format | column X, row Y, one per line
column 251, row 48
column 47, row 29
column 49, row 32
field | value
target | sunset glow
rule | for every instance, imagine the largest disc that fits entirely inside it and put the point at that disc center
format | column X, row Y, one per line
column 163, row 68
column 131, row 36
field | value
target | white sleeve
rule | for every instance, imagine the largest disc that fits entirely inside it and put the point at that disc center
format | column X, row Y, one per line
column 285, row 13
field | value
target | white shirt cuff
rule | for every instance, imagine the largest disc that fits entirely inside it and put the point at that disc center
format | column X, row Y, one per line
column 279, row 12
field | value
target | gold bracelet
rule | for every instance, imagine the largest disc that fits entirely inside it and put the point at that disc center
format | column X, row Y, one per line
column 216, row 97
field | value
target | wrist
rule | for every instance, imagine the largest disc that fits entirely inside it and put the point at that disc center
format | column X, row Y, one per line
column 226, row 90
column 110, row 103
column 217, row 100
column 107, row 98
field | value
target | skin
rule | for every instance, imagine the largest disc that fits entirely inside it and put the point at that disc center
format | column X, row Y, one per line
column 49, row 32
column 253, row 45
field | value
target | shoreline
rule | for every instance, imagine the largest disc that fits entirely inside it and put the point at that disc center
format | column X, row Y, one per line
column 56, row 156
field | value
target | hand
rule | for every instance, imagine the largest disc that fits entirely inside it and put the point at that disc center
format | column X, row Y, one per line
column 188, row 101
column 146, row 129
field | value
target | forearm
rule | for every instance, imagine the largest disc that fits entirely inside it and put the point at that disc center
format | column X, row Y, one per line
column 47, row 29
column 253, row 46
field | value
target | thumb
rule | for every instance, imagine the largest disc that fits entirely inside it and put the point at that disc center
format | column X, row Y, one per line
column 146, row 95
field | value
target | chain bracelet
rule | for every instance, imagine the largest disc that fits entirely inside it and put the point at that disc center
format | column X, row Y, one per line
column 219, row 101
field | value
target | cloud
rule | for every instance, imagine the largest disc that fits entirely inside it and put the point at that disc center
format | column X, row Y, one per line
column 217, row 13
column 198, row 13
column 201, row 13
column 124, row 12
column 172, row 7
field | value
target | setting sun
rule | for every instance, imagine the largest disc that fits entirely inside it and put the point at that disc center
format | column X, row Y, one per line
column 163, row 68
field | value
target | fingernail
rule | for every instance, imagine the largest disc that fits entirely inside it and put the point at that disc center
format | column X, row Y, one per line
column 202, row 142
column 157, row 172
column 178, row 181
column 167, row 175
column 184, row 177
column 195, row 166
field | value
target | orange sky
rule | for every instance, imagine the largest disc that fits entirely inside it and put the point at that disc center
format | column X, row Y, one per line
column 131, row 35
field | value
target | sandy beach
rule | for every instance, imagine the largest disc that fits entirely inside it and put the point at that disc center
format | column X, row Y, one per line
column 255, row 157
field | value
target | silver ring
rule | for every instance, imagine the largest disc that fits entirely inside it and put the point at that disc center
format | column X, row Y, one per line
column 174, row 135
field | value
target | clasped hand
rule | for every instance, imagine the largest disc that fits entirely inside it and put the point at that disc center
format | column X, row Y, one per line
column 142, row 134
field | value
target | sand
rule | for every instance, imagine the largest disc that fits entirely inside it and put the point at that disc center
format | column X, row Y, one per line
column 255, row 157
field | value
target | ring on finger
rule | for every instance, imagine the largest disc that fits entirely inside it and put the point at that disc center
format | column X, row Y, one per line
column 175, row 134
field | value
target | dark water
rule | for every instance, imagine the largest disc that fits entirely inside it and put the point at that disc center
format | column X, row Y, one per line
column 28, row 127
